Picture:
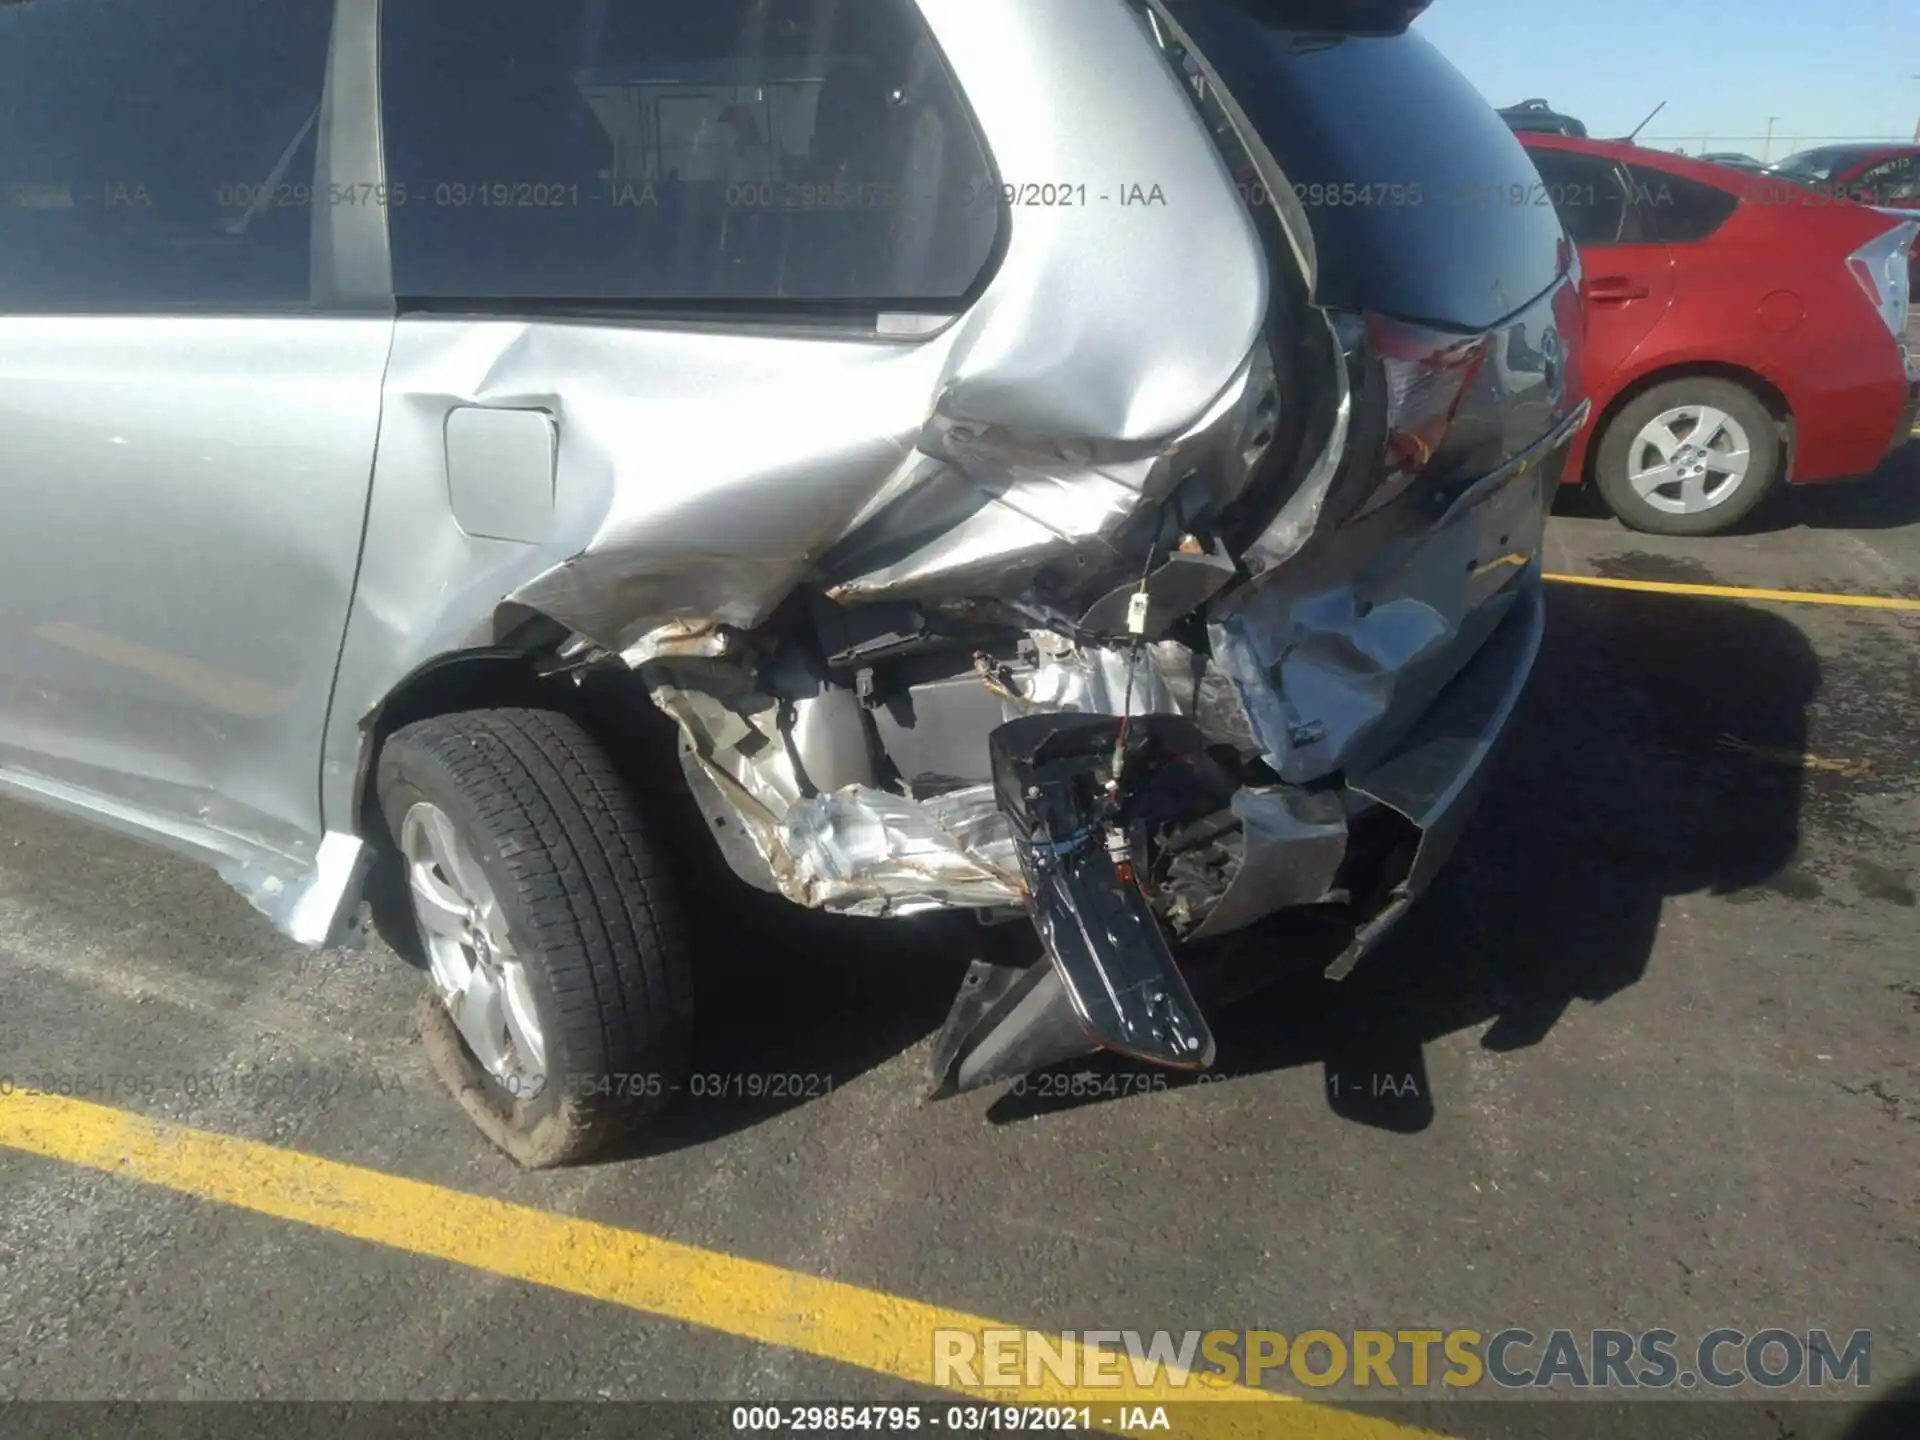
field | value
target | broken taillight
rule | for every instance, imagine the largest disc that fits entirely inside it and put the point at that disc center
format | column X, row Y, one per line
column 1428, row 373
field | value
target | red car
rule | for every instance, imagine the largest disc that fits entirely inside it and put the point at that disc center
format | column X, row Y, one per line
column 1886, row 175
column 1743, row 330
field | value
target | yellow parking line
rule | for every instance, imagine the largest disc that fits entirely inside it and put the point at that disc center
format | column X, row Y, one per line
column 1738, row 592
column 874, row 1331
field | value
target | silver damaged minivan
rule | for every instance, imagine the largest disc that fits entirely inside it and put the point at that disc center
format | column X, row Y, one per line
column 1080, row 460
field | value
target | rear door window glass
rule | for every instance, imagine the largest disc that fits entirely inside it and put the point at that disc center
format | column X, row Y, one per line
column 1588, row 194
column 158, row 155
column 662, row 150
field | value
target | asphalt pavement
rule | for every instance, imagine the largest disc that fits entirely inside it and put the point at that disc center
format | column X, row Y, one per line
column 1659, row 1021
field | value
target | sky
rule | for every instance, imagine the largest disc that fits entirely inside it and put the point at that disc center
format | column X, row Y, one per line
column 1824, row 67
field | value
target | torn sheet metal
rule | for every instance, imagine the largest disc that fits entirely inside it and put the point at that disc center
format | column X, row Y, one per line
column 797, row 780
column 1012, row 504
column 868, row 852
column 702, row 471
column 1157, row 679
column 1435, row 778
column 846, row 845
column 700, row 476
column 894, row 499
column 679, row 639
column 1291, row 846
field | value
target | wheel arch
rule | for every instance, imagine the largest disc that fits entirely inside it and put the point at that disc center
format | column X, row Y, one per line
column 611, row 704
column 1766, row 391
column 479, row 678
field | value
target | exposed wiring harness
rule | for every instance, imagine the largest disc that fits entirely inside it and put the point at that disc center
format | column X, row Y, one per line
column 1137, row 608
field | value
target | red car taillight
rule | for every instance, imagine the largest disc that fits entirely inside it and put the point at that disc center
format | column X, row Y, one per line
column 1882, row 269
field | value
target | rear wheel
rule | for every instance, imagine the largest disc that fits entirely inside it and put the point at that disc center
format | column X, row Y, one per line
column 558, row 1007
column 1690, row 457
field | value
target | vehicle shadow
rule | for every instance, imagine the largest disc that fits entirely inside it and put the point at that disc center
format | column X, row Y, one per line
column 1619, row 788
column 789, row 1003
column 1888, row 499
column 1657, row 754
column 1894, row 1416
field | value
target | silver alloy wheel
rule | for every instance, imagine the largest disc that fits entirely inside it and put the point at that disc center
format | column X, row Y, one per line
column 1689, row 459
column 479, row 977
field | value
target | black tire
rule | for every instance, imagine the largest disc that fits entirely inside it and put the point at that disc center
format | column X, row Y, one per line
column 588, row 908
column 1612, row 458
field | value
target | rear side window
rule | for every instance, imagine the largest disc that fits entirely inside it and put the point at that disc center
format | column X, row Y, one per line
column 1812, row 164
column 665, row 150
column 1677, row 210
column 1892, row 180
column 158, row 155
column 1587, row 192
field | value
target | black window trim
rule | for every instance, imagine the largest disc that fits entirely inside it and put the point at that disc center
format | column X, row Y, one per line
column 794, row 319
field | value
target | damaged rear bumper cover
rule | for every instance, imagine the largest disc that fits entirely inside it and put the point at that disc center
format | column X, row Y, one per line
column 1297, row 846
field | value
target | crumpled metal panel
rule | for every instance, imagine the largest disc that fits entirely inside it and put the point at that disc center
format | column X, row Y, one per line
column 1106, row 320
column 1442, row 766
column 1288, row 858
column 1331, row 662
column 863, row 851
column 1329, row 656
column 853, row 848
column 1042, row 393
column 1314, row 671
column 1044, row 500
column 693, row 534
column 843, row 844
column 1335, row 651
column 1098, row 680
column 1039, row 505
